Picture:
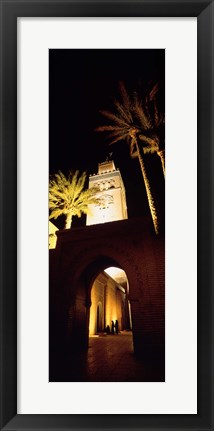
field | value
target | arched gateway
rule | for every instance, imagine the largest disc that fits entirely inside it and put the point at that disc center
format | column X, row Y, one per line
column 81, row 254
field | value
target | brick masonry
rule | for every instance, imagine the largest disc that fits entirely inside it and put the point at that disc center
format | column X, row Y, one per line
column 81, row 254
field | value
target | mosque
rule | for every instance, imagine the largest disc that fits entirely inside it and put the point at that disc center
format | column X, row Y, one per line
column 109, row 184
column 109, row 290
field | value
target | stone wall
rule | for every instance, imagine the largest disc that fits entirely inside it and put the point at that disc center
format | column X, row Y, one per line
column 81, row 254
column 109, row 298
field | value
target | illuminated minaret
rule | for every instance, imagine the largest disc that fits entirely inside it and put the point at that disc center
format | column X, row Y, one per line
column 111, row 190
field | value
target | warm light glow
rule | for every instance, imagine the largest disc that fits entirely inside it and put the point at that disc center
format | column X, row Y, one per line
column 111, row 190
column 107, row 300
column 117, row 274
column 52, row 235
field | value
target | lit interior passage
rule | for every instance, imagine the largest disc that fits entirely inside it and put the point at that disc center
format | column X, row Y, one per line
column 109, row 303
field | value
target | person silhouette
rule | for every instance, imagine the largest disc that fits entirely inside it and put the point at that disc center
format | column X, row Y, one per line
column 108, row 329
column 112, row 327
column 116, row 326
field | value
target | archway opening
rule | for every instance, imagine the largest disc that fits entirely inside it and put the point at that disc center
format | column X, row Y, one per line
column 110, row 311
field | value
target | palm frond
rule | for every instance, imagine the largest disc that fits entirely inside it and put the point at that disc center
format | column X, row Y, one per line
column 115, row 118
column 144, row 120
column 121, row 137
column 105, row 128
column 149, row 150
column 124, row 96
column 141, row 111
column 55, row 214
column 148, row 140
column 68, row 196
column 123, row 111
column 119, row 132
column 153, row 92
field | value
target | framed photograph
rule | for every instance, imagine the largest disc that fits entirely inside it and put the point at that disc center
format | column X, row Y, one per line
column 112, row 291
column 106, row 119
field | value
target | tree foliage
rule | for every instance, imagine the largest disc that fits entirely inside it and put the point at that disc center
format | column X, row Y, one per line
column 68, row 196
column 136, row 121
column 140, row 117
column 153, row 137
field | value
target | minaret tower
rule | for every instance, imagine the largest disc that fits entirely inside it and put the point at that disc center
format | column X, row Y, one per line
column 111, row 190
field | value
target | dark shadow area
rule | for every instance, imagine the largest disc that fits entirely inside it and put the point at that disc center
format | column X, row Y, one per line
column 108, row 359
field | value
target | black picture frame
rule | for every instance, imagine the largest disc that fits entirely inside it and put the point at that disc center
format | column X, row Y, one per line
column 10, row 10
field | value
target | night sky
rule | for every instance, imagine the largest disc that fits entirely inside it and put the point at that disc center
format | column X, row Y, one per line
column 83, row 82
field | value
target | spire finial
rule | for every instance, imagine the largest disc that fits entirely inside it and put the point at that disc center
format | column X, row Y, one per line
column 108, row 157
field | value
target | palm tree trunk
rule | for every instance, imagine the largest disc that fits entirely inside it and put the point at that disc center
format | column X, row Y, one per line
column 148, row 190
column 68, row 221
column 162, row 157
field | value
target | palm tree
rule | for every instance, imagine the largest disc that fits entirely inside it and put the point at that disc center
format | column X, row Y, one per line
column 125, row 125
column 68, row 197
column 152, row 130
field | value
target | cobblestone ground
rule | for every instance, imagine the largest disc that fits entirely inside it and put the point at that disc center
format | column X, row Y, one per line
column 109, row 358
